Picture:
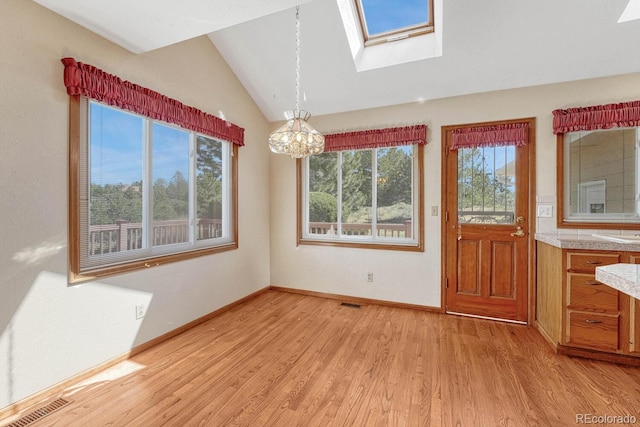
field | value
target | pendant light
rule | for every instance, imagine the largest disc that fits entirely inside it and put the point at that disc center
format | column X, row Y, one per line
column 297, row 137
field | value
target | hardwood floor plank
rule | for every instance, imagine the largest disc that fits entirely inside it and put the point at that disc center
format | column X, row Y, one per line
column 286, row 359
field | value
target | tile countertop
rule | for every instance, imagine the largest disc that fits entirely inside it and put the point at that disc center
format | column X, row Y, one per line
column 586, row 242
column 623, row 277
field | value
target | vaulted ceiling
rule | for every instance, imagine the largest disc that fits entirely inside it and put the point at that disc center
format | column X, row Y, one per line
column 485, row 46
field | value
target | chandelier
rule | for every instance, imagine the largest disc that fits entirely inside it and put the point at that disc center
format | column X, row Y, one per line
column 297, row 137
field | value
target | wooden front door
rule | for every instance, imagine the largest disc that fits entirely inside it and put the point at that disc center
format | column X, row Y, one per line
column 487, row 227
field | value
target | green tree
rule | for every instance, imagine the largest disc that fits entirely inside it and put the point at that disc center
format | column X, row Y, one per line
column 209, row 189
column 394, row 177
column 209, row 158
column 115, row 202
column 178, row 195
column 323, row 207
column 480, row 188
column 323, row 173
column 162, row 208
column 356, row 181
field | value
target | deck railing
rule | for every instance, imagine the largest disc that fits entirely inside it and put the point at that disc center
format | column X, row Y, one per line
column 485, row 217
column 352, row 229
column 126, row 236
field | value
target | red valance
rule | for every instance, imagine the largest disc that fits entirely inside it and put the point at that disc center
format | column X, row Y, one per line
column 624, row 114
column 490, row 136
column 376, row 138
column 87, row 80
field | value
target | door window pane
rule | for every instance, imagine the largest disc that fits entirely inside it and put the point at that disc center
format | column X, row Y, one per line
column 486, row 185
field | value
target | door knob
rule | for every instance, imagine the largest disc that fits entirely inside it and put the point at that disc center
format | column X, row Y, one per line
column 518, row 233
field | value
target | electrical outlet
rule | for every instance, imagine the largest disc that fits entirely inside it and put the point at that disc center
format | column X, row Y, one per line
column 434, row 210
column 140, row 311
column 545, row 211
column 369, row 277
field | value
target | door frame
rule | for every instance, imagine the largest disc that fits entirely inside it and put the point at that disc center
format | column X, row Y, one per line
column 531, row 220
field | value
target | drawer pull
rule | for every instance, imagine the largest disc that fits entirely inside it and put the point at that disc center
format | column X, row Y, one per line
column 593, row 283
column 593, row 322
column 594, row 262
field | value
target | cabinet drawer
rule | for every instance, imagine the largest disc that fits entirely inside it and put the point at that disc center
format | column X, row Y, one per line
column 588, row 261
column 596, row 331
column 586, row 293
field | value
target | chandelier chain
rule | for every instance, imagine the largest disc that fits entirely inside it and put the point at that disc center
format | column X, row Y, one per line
column 297, row 58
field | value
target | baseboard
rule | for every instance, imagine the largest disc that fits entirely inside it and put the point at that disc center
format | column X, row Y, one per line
column 46, row 394
column 358, row 300
column 622, row 359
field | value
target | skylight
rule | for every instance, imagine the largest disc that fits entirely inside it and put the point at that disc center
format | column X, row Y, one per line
column 392, row 47
column 390, row 20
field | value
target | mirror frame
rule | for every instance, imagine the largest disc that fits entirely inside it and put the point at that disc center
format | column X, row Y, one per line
column 560, row 190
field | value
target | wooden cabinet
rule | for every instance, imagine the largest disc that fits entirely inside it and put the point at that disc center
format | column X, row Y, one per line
column 591, row 317
column 595, row 331
column 580, row 315
column 634, row 315
column 634, row 330
column 587, row 261
column 586, row 293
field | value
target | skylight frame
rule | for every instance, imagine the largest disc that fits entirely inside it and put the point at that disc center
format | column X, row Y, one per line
column 394, row 35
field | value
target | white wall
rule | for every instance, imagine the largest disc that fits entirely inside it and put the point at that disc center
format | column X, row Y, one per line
column 50, row 331
column 407, row 277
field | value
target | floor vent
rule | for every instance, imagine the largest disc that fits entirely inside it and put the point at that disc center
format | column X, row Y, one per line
column 39, row 413
column 351, row 304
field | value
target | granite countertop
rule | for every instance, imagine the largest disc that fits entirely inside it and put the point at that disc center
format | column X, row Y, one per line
column 623, row 277
column 585, row 241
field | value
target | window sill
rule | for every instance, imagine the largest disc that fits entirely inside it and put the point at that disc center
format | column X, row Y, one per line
column 409, row 246
column 143, row 264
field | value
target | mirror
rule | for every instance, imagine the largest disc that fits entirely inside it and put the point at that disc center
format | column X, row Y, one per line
column 599, row 178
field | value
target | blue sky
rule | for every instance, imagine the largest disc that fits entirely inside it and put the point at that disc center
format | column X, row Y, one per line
column 117, row 148
column 386, row 15
column 170, row 152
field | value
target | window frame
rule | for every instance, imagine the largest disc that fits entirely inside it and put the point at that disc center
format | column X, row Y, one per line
column 418, row 196
column 79, row 274
column 397, row 34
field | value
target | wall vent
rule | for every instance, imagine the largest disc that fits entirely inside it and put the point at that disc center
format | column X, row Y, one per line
column 351, row 304
column 39, row 413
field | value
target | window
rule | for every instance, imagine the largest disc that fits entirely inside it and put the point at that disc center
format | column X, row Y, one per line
column 363, row 198
column 148, row 192
column 600, row 180
column 151, row 180
column 385, row 21
column 598, row 152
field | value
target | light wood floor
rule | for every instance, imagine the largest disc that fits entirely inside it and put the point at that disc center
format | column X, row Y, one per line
column 291, row 360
